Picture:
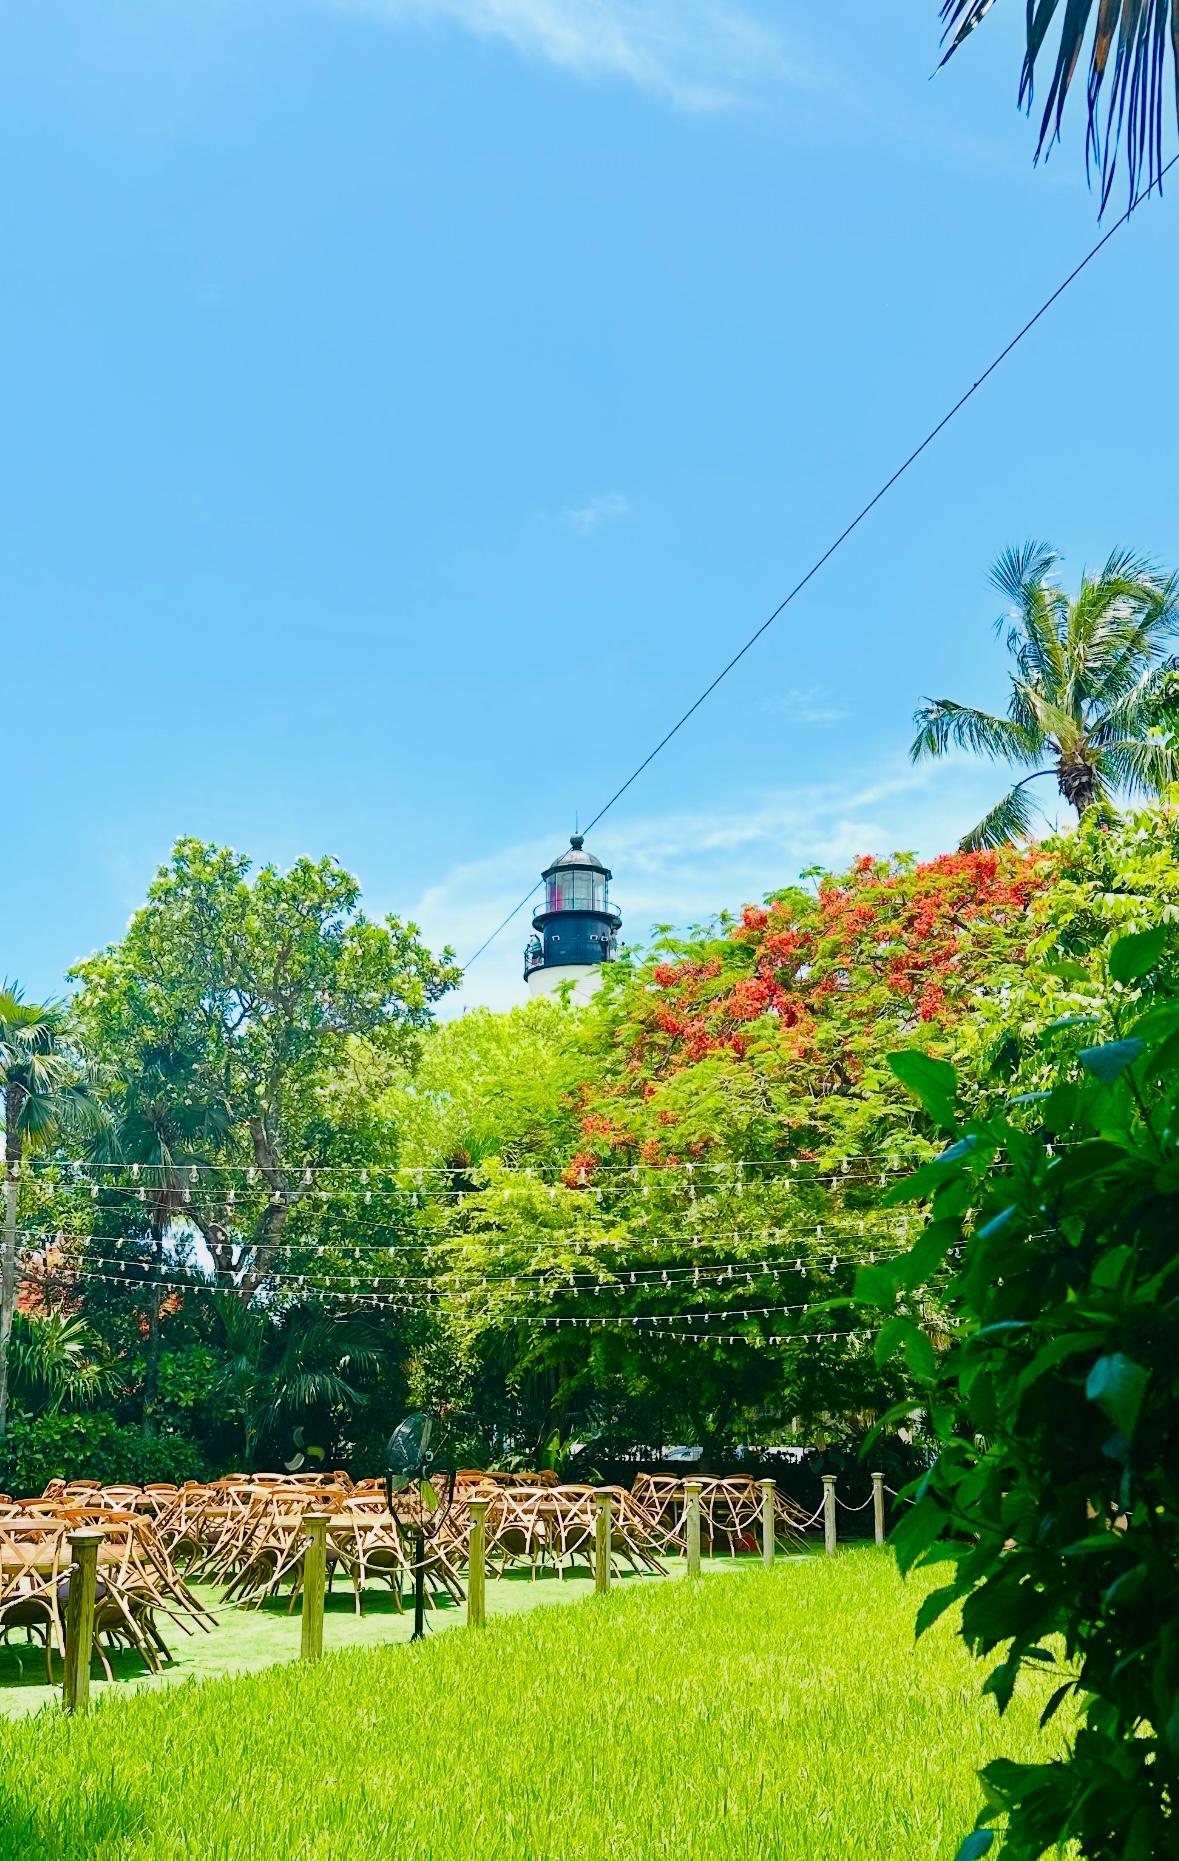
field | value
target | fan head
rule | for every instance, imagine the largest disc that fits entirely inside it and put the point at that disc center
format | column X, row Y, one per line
column 413, row 1448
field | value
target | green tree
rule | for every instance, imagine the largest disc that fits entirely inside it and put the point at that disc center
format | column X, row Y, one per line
column 45, row 1094
column 302, row 1371
column 489, row 1085
column 262, row 985
column 1053, row 1504
column 165, row 1129
column 1125, row 93
column 1090, row 693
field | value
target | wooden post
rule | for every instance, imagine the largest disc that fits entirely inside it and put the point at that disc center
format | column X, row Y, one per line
column 602, row 1536
column 314, row 1579
column 477, row 1564
column 829, row 1513
column 878, row 1505
column 79, row 1622
column 692, row 1492
column 768, row 1522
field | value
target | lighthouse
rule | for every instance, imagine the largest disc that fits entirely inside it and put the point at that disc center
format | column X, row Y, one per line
column 576, row 928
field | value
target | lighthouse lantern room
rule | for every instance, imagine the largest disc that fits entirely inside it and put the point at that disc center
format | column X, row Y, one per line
column 576, row 928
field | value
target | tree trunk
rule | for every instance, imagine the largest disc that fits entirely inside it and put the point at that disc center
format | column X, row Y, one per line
column 151, row 1379
column 8, row 1266
column 1077, row 779
column 272, row 1222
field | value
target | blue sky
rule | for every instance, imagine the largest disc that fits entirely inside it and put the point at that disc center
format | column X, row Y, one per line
column 408, row 404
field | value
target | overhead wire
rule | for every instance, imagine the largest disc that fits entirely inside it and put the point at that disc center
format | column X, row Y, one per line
column 844, row 534
column 307, row 1173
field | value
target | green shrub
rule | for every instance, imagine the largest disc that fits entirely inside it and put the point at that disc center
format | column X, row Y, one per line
column 92, row 1447
column 1054, row 1502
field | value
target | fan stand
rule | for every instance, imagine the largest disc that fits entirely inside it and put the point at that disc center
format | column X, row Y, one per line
column 419, row 1589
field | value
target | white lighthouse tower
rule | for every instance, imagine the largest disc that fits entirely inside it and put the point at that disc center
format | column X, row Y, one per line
column 576, row 928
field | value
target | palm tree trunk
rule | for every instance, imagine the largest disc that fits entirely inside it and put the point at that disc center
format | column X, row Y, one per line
column 8, row 1272
column 1077, row 779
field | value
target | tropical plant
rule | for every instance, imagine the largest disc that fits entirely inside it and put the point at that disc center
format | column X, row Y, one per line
column 45, row 1093
column 300, row 1370
column 1053, row 1503
column 56, row 1362
column 1091, row 693
column 766, row 1036
column 1137, row 33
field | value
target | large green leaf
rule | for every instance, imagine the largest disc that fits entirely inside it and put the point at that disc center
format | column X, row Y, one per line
column 876, row 1285
column 977, row 1843
column 935, row 1606
column 1117, row 1385
column 917, row 1530
column 932, row 1081
column 1108, row 1062
column 1136, row 956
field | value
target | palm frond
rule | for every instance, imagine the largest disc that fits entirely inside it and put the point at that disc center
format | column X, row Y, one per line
column 1151, row 701
column 312, row 1389
column 1021, row 572
column 1010, row 819
column 55, row 1362
column 1140, row 624
column 1116, row 626
column 1035, row 631
column 944, row 724
column 1050, row 720
column 1141, row 765
column 245, row 1331
column 1130, row 128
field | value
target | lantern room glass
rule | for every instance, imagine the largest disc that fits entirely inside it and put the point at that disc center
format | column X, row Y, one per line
column 576, row 888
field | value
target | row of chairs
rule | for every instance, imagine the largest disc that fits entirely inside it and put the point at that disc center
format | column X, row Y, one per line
column 246, row 1534
column 137, row 1582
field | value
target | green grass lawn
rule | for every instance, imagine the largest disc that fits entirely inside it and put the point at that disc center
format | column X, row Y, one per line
column 753, row 1714
column 246, row 1639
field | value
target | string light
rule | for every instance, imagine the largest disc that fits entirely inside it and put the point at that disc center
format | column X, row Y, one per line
column 662, row 1324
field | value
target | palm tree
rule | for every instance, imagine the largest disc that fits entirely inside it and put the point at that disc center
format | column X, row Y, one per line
column 1090, row 696
column 45, row 1094
column 1137, row 32
column 56, row 1362
column 303, row 1366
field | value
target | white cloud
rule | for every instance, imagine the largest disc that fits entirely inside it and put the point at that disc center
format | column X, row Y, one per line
column 683, row 868
column 806, row 707
column 587, row 517
column 700, row 54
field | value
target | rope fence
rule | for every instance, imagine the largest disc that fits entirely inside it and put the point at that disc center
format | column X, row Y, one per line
column 125, row 1555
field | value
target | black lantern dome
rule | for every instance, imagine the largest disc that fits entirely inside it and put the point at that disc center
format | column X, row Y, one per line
column 577, row 926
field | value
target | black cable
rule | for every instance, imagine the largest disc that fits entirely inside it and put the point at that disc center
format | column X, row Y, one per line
column 844, row 534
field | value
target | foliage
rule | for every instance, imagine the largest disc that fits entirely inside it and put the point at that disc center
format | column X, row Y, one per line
column 242, row 996
column 1133, row 88
column 1107, row 877
column 294, row 1375
column 767, row 1036
column 625, row 1226
column 782, row 1713
column 490, row 1085
column 79, row 1446
column 47, row 1096
column 1053, row 1501
column 1090, row 694
column 56, row 1362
